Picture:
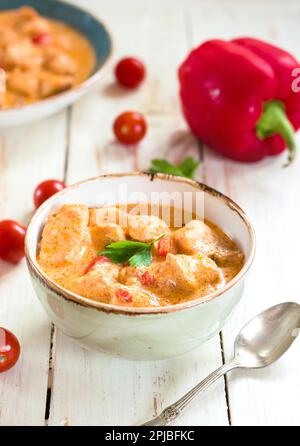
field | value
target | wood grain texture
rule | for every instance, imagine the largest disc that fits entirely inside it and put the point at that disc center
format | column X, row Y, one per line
column 26, row 158
column 119, row 392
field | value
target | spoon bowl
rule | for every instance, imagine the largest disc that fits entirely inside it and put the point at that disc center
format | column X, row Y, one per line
column 267, row 336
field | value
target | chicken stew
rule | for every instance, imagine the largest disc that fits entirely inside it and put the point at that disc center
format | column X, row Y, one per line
column 186, row 263
column 40, row 57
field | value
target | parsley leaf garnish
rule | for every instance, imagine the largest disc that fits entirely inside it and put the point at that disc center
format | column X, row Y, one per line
column 142, row 257
column 129, row 251
column 189, row 166
column 186, row 168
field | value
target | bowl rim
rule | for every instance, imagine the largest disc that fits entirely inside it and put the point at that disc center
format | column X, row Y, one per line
column 118, row 309
column 84, row 85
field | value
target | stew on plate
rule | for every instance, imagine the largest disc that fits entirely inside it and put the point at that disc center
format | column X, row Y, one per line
column 40, row 57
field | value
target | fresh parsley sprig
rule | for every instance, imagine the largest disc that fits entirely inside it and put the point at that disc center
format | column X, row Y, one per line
column 129, row 251
column 186, row 168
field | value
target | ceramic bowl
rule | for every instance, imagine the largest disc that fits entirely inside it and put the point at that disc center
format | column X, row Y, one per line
column 90, row 26
column 141, row 333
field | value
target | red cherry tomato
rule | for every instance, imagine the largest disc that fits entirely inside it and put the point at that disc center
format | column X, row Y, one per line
column 45, row 190
column 42, row 39
column 147, row 279
column 130, row 127
column 12, row 236
column 9, row 350
column 123, row 296
column 130, row 72
column 164, row 246
column 95, row 261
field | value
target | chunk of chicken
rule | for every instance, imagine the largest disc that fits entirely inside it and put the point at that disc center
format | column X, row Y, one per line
column 198, row 237
column 130, row 275
column 28, row 21
column 106, row 233
column 186, row 274
column 99, row 216
column 7, row 35
column 51, row 83
column 34, row 26
column 65, row 236
column 25, row 13
column 21, row 53
column 98, row 283
column 195, row 237
column 225, row 257
column 133, row 296
column 57, row 61
column 145, row 228
column 25, row 82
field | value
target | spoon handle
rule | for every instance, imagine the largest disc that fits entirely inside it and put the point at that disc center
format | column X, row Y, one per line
column 173, row 411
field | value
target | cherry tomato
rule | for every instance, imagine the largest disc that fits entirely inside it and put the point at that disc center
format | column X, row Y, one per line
column 130, row 72
column 45, row 190
column 95, row 261
column 123, row 296
column 147, row 279
column 130, row 127
column 42, row 39
column 9, row 349
column 164, row 246
column 12, row 236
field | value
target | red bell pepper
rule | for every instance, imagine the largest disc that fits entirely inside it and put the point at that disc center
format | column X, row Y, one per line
column 237, row 97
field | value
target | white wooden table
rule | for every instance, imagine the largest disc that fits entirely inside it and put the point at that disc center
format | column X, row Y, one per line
column 58, row 383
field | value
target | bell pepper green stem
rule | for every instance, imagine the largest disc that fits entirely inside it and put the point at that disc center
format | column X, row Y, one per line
column 274, row 120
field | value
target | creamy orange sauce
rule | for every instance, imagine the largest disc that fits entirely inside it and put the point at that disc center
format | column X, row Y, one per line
column 189, row 262
column 41, row 57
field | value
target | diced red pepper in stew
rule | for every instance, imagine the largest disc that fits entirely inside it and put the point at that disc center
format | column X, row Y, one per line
column 147, row 279
column 94, row 262
column 42, row 39
column 164, row 246
column 124, row 296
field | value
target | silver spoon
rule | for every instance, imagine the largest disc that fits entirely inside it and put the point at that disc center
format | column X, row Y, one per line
column 260, row 343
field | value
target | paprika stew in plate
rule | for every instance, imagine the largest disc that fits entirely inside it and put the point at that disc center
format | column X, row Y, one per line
column 40, row 57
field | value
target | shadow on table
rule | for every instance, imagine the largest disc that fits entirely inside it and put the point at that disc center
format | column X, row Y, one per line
column 5, row 269
column 113, row 90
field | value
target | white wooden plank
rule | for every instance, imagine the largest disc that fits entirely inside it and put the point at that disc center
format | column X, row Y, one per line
column 270, row 195
column 270, row 396
column 89, row 388
column 95, row 389
column 27, row 156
